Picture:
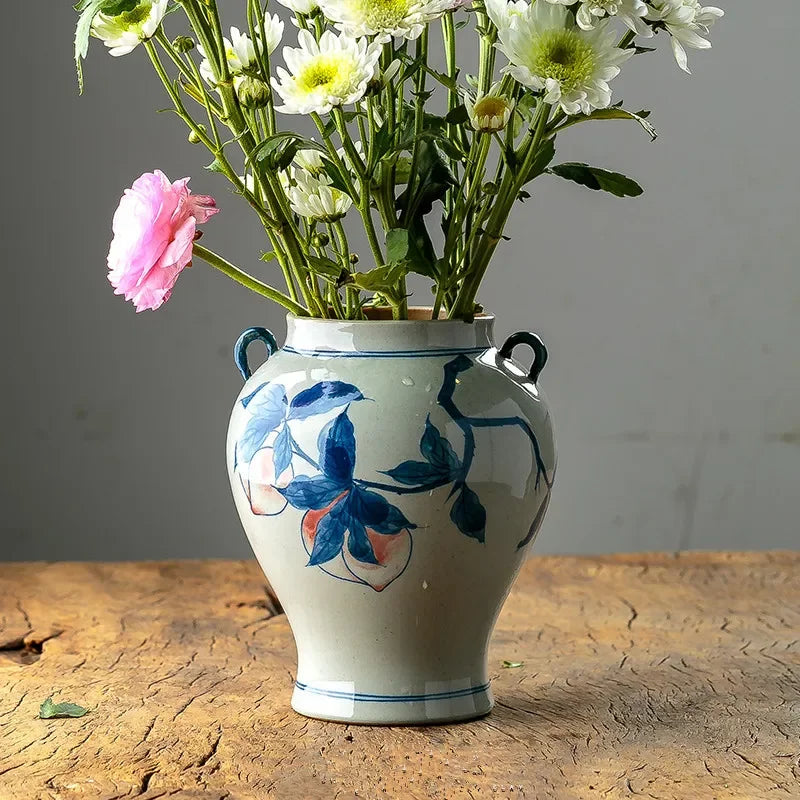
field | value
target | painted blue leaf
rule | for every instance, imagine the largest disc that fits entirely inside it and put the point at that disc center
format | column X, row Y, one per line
column 337, row 449
column 268, row 407
column 315, row 492
column 252, row 438
column 246, row 400
column 377, row 513
column 329, row 538
column 323, row 397
column 436, row 449
column 358, row 543
column 469, row 515
column 268, row 400
column 282, row 455
column 419, row 473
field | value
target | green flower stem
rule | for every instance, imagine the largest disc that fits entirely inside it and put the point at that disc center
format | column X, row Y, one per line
column 487, row 51
column 186, row 71
column 449, row 37
column 248, row 281
column 273, row 192
column 255, row 17
column 510, row 188
column 419, row 115
column 217, row 150
column 201, row 27
column 363, row 199
column 351, row 292
column 212, row 14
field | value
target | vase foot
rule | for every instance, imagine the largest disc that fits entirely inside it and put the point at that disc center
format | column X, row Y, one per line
column 438, row 703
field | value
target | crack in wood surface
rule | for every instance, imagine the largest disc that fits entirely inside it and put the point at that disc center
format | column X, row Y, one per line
column 685, row 688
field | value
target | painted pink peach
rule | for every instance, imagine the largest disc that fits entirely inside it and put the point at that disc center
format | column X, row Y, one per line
column 393, row 552
column 261, row 485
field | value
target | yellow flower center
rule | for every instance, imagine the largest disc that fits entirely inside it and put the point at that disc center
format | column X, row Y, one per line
column 564, row 56
column 322, row 72
column 383, row 15
column 490, row 107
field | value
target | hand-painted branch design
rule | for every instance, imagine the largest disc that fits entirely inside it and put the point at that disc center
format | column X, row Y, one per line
column 442, row 466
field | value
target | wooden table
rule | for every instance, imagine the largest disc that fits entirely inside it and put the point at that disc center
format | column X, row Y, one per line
column 654, row 676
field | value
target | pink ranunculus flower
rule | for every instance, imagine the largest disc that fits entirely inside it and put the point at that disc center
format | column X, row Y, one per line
column 154, row 230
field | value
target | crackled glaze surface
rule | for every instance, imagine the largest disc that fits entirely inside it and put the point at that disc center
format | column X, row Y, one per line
column 383, row 471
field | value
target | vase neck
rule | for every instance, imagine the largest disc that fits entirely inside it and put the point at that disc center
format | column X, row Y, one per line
column 305, row 334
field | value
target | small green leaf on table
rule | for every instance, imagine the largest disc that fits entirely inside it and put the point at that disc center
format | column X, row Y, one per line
column 51, row 710
column 513, row 664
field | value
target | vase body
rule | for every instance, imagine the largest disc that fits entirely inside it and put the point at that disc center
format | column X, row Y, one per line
column 390, row 477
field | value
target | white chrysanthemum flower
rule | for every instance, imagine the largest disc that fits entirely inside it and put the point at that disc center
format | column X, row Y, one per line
column 570, row 66
column 300, row 6
column 384, row 19
column 333, row 72
column 629, row 12
column 273, row 31
column 489, row 112
column 685, row 20
column 505, row 13
column 315, row 198
column 123, row 32
column 239, row 52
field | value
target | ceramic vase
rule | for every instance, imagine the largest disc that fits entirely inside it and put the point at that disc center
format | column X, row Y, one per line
column 391, row 477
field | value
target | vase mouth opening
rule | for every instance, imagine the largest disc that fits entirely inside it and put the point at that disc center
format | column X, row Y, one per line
column 384, row 314
column 382, row 334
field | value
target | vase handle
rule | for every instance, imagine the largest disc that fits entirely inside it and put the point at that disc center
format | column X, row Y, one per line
column 535, row 343
column 245, row 340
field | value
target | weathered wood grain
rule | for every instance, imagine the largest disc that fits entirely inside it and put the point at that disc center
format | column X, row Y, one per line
column 653, row 676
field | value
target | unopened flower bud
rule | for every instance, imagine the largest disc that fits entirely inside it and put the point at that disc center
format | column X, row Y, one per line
column 252, row 92
column 490, row 113
column 183, row 44
column 489, row 188
column 354, row 258
column 194, row 137
column 321, row 240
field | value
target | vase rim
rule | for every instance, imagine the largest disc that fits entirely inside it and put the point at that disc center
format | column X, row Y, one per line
column 417, row 314
column 313, row 335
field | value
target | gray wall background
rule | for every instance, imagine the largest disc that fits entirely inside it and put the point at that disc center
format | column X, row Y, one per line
column 672, row 319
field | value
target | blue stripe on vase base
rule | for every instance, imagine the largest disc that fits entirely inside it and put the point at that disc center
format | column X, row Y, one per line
column 440, row 353
column 391, row 698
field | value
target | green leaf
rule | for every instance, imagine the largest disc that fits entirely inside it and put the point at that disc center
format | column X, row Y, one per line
column 51, row 710
column 513, row 664
column 326, row 268
column 397, row 244
column 431, row 183
column 275, row 149
column 216, row 166
column 116, row 7
column 335, row 174
column 458, row 115
column 88, row 10
column 445, row 80
column 615, row 112
column 596, row 178
column 267, row 256
column 381, row 279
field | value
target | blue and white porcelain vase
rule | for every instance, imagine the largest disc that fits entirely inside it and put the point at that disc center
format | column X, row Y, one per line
column 390, row 477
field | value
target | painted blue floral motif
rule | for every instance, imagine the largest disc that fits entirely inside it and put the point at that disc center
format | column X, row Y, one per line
column 442, row 466
column 348, row 529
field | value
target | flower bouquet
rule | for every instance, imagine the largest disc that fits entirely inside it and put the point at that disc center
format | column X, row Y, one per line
column 399, row 141
column 391, row 467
